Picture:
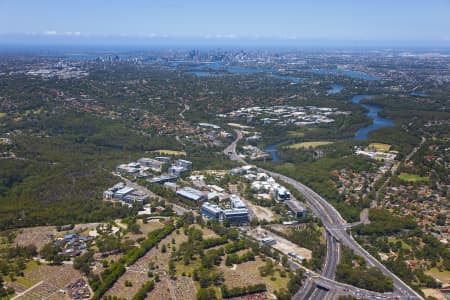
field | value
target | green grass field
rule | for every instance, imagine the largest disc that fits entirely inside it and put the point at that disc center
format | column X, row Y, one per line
column 2, row 115
column 443, row 276
column 380, row 147
column 170, row 152
column 412, row 178
column 405, row 246
column 31, row 266
column 26, row 282
column 296, row 134
column 305, row 145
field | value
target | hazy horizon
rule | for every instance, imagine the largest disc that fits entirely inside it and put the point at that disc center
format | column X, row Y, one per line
column 324, row 23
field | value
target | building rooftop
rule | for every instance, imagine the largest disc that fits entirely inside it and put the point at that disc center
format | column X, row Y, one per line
column 191, row 193
column 213, row 208
column 236, row 202
column 125, row 190
column 235, row 211
column 295, row 206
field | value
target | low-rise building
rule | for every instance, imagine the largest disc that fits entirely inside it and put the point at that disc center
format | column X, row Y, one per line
column 164, row 159
column 119, row 194
column 192, row 194
column 208, row 125
column 236, row 215
column 184, row 163
column 296, row 208
column 296, row 256
column 236, row 202
column 127, row 168
column 282, row 194
column 176, row 170
column 153, row 164
column 171, row 185
column 136, row 197
column 109, row 193
column 268, row 241
column 211, row 211
column 162, row 179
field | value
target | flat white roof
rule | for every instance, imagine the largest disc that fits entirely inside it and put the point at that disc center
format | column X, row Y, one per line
column 240, row 211
column 213, row 208
column 190, row 193
column 125, row 190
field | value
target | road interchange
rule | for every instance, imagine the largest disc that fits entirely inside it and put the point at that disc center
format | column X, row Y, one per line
column 336, row 232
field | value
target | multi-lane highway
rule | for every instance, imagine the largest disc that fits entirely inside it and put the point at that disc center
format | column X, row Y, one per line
column 336, row 227
column 328, row 271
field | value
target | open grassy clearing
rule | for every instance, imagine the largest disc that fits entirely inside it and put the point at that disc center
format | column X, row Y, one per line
column 443, row 276
column 26, row 282
column 296, row 134
column 2, row 115
column 306, row 145
column 405, row 246
column 434, row 293
column 262, row 213
column 170, row 152
column 187, row 270
column 247, row 273
column 412, row 178
column 380, row 147
column 207, row 233
column 151, row 225
column 145, row 228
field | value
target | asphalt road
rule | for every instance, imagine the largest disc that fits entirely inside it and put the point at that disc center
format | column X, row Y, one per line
column 336, row 227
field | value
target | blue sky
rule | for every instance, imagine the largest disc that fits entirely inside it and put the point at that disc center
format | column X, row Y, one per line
column 419, row 21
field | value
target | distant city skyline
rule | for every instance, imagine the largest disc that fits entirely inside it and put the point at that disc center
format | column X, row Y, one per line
column 322, row 22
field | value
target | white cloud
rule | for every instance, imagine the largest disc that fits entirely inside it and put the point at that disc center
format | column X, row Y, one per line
column 66, row 33
column 220, row 36
column 50, row 32
column 70, row 33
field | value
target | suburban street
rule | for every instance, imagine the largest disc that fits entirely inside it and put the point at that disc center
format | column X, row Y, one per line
column 336, row 228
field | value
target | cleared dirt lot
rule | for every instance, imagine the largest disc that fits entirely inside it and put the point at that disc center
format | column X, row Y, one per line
column 434, row 293
column 243, row 274
column 282, row 244
column 38, row 236
column 145, row 228
column 286, row 246
column 262, row 213
column 248, row 274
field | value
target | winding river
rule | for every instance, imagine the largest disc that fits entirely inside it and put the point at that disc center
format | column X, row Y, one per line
column 372, row 112
column 361, row 134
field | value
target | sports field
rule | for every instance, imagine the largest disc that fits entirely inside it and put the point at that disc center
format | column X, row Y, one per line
column 305, row 145
column 380, row 147
column 412, row 178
